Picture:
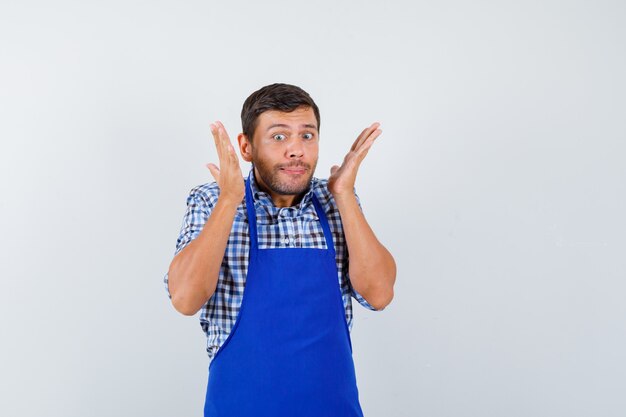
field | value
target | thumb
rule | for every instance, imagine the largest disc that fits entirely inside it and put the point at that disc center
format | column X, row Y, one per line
column 215, row 171
column 334, row 169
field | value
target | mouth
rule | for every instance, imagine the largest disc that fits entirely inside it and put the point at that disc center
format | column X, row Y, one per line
column 294, row 170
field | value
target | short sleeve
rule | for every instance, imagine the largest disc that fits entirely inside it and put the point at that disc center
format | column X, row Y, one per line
column 199, row 206
column 362, row 300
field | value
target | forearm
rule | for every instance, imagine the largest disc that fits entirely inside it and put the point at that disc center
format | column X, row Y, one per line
column 372, row 269
column 194, row 271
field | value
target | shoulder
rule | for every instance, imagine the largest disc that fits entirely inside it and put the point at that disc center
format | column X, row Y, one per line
column 206, row 194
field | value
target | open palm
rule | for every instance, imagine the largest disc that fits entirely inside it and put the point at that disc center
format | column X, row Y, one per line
column 342, row 178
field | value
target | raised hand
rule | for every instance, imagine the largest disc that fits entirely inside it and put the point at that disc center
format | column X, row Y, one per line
column 228, row 174
column 342, row 178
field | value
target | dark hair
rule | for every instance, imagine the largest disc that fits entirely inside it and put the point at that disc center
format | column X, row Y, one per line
column 281, row 97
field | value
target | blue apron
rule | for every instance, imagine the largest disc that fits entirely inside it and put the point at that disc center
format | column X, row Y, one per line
column 289, row 352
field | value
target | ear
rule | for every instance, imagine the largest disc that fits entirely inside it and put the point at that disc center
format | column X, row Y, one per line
column 245, row 147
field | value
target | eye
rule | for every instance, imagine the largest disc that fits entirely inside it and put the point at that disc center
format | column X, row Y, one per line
column 308, row 136
column 279, row 137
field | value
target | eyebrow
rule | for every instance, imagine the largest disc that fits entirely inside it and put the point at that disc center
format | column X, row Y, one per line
column 307, row 125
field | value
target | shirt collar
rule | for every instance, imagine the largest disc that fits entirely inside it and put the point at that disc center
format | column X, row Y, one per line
column 266, row 200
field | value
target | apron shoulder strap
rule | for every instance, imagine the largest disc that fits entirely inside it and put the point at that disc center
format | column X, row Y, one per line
column 254, row 243
column 322, row 216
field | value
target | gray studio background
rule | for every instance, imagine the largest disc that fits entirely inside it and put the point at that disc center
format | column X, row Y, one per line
column 498, row 185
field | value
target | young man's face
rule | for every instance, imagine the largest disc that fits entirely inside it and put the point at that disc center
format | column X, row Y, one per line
column 284, row 150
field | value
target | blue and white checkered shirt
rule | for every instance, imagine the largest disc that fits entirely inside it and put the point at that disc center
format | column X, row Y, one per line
column 294, row 227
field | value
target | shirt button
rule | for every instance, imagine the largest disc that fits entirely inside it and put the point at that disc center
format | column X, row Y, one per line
column 286, row 241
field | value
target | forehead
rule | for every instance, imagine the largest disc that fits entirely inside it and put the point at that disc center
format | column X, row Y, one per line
column 297, row 118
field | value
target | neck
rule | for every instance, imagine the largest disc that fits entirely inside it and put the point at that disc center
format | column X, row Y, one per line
column 281, row 200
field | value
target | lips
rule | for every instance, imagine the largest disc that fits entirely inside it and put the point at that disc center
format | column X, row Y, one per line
column 294, row 169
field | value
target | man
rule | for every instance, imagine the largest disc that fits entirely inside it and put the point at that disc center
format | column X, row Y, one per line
column 266, row 259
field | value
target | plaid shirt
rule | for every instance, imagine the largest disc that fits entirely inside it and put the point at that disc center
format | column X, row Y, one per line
column 294, row 227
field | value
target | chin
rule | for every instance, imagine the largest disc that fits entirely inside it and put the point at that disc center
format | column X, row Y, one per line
column 283, row 183
column 291, row 187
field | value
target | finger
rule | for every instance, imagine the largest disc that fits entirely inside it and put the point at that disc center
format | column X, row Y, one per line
column 215, row 171
column 220, row 140
column 334, row 169
column 216, row 138
column 225, row 140
column 222, row 131
column 233, row 154
column 371, row 138
column 213, row 132
column 364, row 149
column 358, row 139
column 366, row 133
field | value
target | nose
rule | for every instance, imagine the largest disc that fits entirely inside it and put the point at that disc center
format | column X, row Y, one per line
column 295, row 149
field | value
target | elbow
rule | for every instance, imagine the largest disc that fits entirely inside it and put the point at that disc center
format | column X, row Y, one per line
column 185, row 303
column 183, row 306
column 182, row 297
column 383, row 300
column 379, row 293
column 384, row 294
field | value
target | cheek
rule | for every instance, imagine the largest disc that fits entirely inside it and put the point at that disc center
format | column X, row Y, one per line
column 268, row 154
column 313, row 148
